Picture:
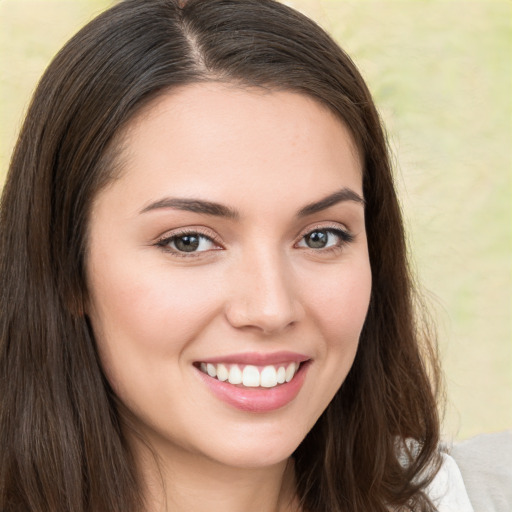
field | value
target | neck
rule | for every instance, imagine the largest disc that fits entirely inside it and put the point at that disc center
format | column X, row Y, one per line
column 184, row 482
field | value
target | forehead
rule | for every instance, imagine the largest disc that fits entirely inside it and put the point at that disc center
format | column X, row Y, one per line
column 239, row 142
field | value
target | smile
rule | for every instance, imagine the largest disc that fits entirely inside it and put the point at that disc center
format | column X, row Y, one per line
column 251, row 376
column 252, row 382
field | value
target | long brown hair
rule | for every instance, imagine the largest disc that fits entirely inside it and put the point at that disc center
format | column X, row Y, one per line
column 62, row 443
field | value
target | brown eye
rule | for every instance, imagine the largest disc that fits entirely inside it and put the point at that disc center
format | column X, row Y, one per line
column 325, row 238
column 188, row 243
column 317, row 239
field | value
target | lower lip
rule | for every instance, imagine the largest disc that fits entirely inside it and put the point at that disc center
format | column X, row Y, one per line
column 257, row 399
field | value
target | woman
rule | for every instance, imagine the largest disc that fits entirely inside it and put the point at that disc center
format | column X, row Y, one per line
column 206, row 302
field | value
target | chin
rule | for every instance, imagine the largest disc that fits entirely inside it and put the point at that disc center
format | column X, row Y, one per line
column 258, row 449
column 254, row 458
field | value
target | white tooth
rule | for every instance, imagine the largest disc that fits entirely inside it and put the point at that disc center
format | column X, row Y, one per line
column 268, row 377
column 235, row 375
column 222, row 372
column 203, row 367
column 251, row 376
column 281, row 375
column 210, row 368
column 290, row 372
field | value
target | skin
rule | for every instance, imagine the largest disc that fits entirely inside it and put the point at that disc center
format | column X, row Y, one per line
column 253, row 286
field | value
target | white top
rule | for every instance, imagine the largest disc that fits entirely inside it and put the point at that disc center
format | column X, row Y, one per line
column 485, row 462
column 447, row 490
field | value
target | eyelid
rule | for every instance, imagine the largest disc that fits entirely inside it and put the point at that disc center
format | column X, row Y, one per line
column 342, row 236
column 167, row 237
column 332, row 226
column 164, row 239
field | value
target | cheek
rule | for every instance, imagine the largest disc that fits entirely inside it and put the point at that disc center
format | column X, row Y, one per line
column 143, row 317
column 143, row 322
column 340, row 302
column 338, row 305
column 149, row 303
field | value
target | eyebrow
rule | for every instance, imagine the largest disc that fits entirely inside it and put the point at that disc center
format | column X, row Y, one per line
column 220, row 210
column 193, row 205
column 345, row 194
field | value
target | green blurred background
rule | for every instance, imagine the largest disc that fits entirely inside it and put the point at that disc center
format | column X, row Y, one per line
column 441, row 74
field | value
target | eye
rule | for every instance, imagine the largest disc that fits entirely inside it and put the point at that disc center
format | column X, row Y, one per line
column 190, row 242
column 325, row 238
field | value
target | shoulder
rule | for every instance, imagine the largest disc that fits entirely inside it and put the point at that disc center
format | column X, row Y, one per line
column 485, row 462
column 447, row 491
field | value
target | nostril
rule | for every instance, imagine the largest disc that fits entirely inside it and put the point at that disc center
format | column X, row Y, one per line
column 267, row 319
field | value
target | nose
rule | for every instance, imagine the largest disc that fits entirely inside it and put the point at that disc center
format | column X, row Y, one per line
column 263, row 296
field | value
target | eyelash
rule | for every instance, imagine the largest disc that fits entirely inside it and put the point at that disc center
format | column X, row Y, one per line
column 344, row 236
column 164, row 242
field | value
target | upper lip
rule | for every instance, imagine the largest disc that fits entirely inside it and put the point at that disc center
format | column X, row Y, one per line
column 258, row 358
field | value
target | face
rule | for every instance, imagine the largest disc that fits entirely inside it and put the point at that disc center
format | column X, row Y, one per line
column 228, row 271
